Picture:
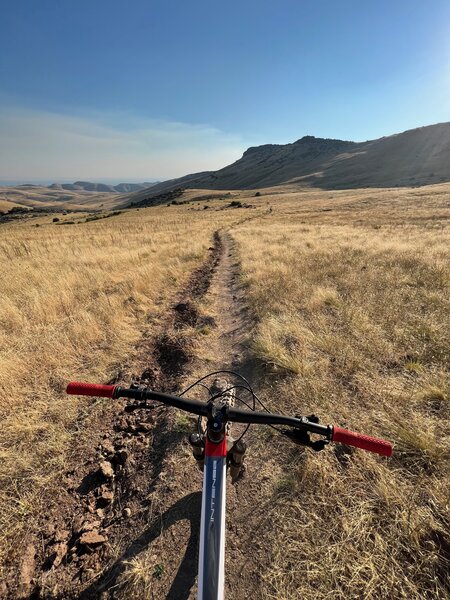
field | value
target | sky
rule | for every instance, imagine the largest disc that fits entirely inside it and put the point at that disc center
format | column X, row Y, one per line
column 153, row 89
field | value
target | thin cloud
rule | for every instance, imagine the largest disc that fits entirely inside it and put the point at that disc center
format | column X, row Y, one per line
column 44, row 145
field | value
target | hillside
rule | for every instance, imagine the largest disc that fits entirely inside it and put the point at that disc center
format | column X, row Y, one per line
column 88, row 186
column 70, row 196
column 415, row 157
column 36, row 196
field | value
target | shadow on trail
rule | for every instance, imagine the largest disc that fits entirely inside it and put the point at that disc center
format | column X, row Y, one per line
column 188, row 508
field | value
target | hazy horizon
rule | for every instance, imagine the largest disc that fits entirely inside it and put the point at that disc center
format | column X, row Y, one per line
column 46, row 182
column 189, row 87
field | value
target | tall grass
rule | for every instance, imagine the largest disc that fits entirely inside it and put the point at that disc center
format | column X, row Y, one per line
column 353, row 311
column 74, row 301
column 350, row 290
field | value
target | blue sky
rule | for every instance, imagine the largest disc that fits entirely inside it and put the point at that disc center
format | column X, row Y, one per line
column 138, row 90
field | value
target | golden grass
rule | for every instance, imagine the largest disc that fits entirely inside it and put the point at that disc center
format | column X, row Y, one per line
column 6, row 205
column 351, row 294
column 74, row 301
column 353, row 309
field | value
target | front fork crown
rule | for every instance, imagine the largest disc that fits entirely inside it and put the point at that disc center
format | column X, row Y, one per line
column 235, row 453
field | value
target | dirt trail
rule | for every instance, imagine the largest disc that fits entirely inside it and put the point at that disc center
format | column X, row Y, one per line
column 127, row 523
column 173, row 545
column 225, row 346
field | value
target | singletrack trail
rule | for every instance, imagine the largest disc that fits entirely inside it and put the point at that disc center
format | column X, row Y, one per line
column 130, row 528
column 228, row 348
column 225, row 347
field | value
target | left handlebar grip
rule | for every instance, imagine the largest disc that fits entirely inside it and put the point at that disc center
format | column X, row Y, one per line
column 91, row 389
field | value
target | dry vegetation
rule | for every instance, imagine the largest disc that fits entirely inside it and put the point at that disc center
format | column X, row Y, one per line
column 354, row 318
column 351, row 296
column 44, row 197
column 74, row 301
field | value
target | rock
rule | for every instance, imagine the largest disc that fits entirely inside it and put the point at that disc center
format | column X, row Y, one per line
column 92, row 538
column 107, row 447
column 60, row 552
column 106, row 469
column 90, row 525
column 105, row 499
column 27, row 570
column 61, row 535
column 126, row 512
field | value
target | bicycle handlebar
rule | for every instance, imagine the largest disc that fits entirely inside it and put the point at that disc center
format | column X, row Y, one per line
column 332, row 433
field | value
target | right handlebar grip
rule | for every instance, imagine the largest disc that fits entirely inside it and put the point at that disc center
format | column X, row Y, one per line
column 90, row 389
column 344, row 436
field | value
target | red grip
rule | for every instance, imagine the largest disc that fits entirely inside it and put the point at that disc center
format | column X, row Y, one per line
column 90, row 389
column 344, row 436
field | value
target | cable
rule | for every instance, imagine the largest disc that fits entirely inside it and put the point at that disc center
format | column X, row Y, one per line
column 193, row 385
column 247, row 387
column 218, row 373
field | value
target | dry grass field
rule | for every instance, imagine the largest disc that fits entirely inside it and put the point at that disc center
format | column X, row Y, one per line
column 352, row 297
column 43, row 197
column 349, row 292
column 74, row 300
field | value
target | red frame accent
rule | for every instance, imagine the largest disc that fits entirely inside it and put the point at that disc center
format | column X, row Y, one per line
column 216, row 449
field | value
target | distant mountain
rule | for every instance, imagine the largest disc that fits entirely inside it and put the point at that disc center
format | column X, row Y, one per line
column 87, row 186
column 416, row 157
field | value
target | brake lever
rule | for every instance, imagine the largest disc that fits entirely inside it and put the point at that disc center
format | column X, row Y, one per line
column 301, row 438
column 144, row 404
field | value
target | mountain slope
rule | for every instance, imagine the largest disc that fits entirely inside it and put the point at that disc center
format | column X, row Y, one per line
column 100, row 187
column 415, row 157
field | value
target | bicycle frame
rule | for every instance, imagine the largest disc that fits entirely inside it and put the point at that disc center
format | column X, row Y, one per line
column 211, row 565
column 211, row 562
